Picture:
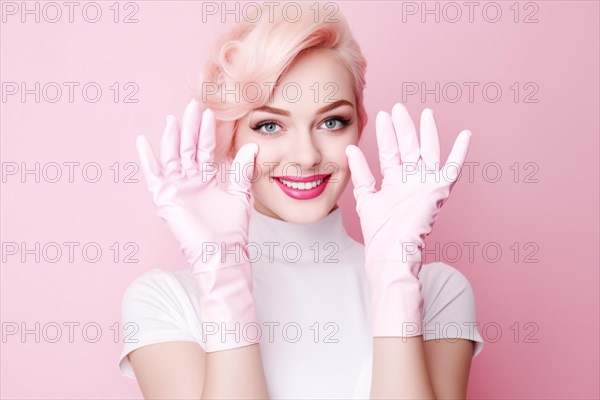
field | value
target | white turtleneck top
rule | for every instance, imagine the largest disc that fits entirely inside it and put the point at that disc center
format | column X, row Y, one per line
column 313, row 303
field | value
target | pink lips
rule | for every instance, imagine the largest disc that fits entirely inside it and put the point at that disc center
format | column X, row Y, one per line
column 299, row 194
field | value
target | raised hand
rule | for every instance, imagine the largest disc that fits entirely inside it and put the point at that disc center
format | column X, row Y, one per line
column 206, row 217
column 396, row 219
column 198, row 209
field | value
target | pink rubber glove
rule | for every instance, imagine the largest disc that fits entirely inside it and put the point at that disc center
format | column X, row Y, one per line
column 396, row 219
column 207, row 217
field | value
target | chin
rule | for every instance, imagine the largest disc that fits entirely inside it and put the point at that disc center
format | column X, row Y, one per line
column 302, row 212
column 304, row 218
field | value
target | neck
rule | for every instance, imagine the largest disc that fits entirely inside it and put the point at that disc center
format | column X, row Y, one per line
column 289, row 242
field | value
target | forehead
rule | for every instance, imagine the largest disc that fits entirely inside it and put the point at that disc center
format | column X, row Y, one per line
column 315, row 78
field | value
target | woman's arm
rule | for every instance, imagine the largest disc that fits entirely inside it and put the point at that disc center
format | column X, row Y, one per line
column 449, row 365
column 181, row 370
column 171, row 370
column 203, row 214
column 395, row 221
column 400, row 369
column 412, row 368
column 235, row 374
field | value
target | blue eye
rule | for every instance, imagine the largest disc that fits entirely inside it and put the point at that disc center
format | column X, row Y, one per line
column 269, row 125
column 330, row 124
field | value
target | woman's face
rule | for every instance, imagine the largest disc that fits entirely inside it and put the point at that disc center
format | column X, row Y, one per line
column 302, row 135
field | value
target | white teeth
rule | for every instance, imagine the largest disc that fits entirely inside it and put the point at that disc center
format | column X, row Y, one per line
column 302, row 185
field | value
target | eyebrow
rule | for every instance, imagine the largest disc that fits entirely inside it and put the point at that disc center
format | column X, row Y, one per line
column 319, row 111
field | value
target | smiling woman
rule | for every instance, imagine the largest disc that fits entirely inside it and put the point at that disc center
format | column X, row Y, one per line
column 303, row 140
column 308, row 118
column 314, row 314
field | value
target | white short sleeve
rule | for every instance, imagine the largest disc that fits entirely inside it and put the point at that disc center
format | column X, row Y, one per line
column 157, row 307
column 449, row 305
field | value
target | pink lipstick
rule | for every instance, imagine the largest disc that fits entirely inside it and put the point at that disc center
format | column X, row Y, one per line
column 303, row 187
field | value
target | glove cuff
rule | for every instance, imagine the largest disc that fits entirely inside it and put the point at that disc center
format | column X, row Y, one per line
column 397, row 302
column 227, row 309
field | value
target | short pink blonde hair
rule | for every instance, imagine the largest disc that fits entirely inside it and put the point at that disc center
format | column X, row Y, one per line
column 254, row 53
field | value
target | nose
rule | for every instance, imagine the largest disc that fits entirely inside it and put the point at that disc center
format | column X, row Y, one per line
column 305, row 153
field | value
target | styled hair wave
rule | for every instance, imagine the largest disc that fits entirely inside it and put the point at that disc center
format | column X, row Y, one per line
column 254, row 55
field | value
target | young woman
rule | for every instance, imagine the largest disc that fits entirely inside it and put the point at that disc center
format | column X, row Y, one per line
column 279, row 302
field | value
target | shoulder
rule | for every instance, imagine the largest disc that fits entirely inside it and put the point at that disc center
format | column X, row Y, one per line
column 153, row 288
column 439, row 276
column 448, row 294
column 147, row 282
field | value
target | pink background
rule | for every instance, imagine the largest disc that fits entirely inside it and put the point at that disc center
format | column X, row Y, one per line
column 556, row 356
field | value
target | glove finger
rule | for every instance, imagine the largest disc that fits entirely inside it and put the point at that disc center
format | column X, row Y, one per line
column 243, row 165
column 169, row 148
column 148, row 162
column 206, row 143
column 457, row 156
column 430, row 142
column 190, row 126
column 362, row 178
column 389, row 155
column 406, row 134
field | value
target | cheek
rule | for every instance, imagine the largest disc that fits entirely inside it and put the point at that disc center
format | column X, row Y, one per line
column 266, row 163
column 337, row 164
column 242, row 136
